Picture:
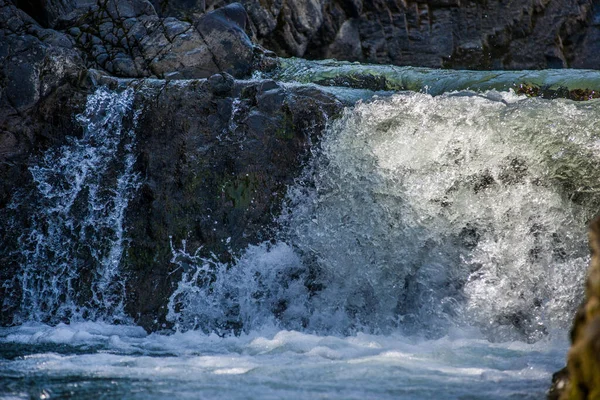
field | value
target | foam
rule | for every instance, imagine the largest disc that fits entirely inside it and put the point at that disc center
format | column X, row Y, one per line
column 300, row 362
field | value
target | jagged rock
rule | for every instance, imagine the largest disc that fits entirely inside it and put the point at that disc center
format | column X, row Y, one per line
column 128, row 39
column 216, row 158
column 452, row 34
column 583, row 364
column 560, row 380
column 35, row 63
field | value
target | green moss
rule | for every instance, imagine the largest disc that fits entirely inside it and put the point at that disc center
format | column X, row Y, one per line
column 532, row 90
column 287, row 128
column 371, row 81
column 527, row 89
column 240, row 190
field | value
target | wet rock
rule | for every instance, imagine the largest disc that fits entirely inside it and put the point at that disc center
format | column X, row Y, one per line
column 583, row 365
column 560, row 380
column 40, row 74
column 449, row 34
column 216, row 158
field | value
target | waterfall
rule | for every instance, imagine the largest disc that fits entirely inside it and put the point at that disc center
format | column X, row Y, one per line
column 71, row 251
column 416, row 213
column 419, row 214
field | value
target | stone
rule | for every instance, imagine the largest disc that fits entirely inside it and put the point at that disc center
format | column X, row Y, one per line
column 215, row 177
column 581, row 380
column 128, row 39
column 445, row 33
column 223, row 32
column 220, row 84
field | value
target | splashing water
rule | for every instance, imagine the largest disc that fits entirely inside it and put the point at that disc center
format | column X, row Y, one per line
column 71, row 254
column 83, row 360
column 425, row 242
column 421, row 213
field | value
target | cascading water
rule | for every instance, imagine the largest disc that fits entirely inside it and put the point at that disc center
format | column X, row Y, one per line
column 71, row 253
column 421, row 213
column 433, row 247
column 450, row 210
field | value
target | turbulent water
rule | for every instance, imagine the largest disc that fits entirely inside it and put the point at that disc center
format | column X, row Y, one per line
column 433, row 247
column 93, row 361
column 419, row 214
column 82, row 191
column 433, row 81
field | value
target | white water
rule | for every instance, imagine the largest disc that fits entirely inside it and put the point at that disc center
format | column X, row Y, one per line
column 417, row 215
column 92, row 360
column 82, row 192
column 434, row 247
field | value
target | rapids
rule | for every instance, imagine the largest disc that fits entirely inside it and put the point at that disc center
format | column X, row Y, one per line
column 433, row 246
column 418, row 214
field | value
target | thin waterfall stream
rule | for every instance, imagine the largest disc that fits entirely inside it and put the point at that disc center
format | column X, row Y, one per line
column 72, row 251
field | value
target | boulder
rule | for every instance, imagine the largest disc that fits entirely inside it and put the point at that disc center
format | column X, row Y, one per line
column 216, row 157
column 128, row 39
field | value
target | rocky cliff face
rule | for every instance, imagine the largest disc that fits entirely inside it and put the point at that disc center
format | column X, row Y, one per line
column 527, row 34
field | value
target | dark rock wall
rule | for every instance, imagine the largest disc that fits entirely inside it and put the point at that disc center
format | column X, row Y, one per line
column 41, row 88
column 216, row 157
column 494, row 34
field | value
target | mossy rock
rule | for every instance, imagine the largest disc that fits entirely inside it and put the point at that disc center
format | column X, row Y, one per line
column 583, row 364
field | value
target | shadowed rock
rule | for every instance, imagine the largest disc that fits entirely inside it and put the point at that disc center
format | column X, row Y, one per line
column 451, row 33
column 216, row 157
column 581, row 380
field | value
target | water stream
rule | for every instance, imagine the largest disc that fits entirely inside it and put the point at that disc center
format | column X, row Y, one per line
column 71, row 252
column 434, row 246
